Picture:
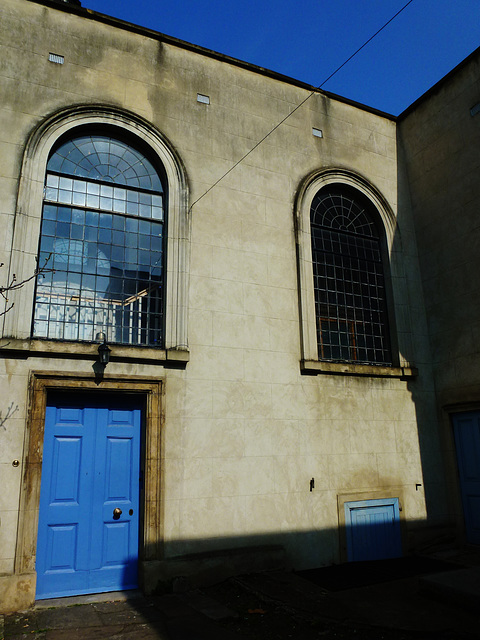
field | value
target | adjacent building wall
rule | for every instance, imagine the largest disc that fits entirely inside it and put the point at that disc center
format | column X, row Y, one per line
column 440, row 135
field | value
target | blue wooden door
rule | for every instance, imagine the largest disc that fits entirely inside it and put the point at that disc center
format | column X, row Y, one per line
column 91, row 466
column 466, row 427
column 373, row 529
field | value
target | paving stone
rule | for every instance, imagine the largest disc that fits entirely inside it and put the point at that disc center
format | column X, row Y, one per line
column 112, row 632
column 173, row 606
column 32, row 635
column 461, row 586
column 197, row 627
column 68, row 617
column 122, row 616
column 148, row 610
column 208, row 606
column 142, row 632
column 16, row 624
column 80, row 633
column 111, row 607
column 294, row 592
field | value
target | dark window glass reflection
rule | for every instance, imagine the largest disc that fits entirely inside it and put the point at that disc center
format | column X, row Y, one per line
column 350, row 299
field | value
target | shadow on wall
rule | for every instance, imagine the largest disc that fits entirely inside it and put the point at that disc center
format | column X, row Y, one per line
column 378, row 533
column 182, row 573
column 415, row 347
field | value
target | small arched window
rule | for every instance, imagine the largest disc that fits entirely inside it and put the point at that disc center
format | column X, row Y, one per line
column 102, row 238
column 349, row 279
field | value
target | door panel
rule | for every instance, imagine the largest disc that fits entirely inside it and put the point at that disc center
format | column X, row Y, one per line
column 91, row 466
column 373, row 529
column 466, row 427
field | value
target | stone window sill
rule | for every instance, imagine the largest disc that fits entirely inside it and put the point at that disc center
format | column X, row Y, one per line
column 87, row 350
column 316, row 367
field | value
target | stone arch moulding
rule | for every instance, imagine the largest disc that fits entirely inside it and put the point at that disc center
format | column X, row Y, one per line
column 313, row 183
column 304, row 197
column 29, row 212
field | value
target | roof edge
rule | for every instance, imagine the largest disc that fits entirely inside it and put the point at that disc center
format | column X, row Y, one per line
column 438, row 85
column 156, row 35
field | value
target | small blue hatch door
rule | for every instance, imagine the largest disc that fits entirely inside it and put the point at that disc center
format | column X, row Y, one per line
column 373, row 529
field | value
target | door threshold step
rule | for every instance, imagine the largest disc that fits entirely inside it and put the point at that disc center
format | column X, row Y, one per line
column 72, row 601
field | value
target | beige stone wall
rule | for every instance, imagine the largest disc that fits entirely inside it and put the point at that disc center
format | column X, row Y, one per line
column 440, row 139
column 244, row 430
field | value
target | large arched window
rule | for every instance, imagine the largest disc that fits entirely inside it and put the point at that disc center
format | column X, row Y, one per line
column 102, row 237
column 349, row 280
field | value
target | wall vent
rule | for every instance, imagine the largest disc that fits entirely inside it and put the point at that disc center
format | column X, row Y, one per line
column 54, row 57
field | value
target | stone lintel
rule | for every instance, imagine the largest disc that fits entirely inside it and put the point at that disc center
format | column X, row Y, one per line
column 13, row 347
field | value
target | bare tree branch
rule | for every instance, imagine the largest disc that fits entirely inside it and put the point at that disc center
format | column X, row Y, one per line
column 10, row 411
column 15, row 284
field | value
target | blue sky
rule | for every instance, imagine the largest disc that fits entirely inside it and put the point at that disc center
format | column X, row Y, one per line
column 309, row 39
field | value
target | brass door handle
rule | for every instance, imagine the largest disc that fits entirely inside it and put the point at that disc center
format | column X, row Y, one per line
column 117, row 513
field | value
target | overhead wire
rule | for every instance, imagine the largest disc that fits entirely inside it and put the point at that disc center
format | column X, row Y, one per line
column 313, row 92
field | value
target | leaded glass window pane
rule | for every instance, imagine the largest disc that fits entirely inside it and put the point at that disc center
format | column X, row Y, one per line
column 349, row 282
column 102, row 231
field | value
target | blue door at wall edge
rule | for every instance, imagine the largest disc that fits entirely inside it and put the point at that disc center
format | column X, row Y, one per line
column 466, row 428
column 89, row 497
column 373, row 529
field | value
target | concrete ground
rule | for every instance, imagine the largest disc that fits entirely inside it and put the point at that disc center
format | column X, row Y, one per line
column 272, row 605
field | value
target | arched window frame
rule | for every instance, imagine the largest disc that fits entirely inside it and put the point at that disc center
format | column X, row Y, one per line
column 310, row 361
column 17, row 322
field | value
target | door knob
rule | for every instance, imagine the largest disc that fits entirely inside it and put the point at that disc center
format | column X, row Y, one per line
column 117, row 513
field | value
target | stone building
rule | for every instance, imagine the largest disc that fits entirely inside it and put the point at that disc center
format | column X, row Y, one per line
column 206, row 378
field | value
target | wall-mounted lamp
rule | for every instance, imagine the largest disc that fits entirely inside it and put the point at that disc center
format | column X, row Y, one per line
column 103, row 349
